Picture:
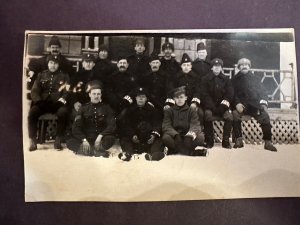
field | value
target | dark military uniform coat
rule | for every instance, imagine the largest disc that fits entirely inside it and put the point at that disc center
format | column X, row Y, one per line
column 141, row 121
column 50, row 86
column 180, row 120
column 201, row 68
column 92, row 120
column 170, row 67
column 103, row 69
column 157, row 85
column 248, row 90
column 138, row 64
column 192, row 85
column 40, row 64
column 216, row 89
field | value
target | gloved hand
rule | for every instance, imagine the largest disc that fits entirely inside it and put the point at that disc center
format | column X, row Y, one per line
column 84, row 149
column 77, row 106
column 193, row 106
column 166, row 107
column 98, row 141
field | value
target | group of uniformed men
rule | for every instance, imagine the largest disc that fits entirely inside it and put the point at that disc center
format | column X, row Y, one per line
column 154, row 105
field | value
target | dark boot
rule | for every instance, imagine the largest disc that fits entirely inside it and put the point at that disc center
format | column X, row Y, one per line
column 238, row 143
column 156, row 156
column 270, row 146
column 33, row 144
column 125, row 156
column 57, row 144
column 209, row 142
column 226, row 143
column 199, row 151
column 209, row 134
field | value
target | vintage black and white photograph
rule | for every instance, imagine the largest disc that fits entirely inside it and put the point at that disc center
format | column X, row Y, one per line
column 160, row 115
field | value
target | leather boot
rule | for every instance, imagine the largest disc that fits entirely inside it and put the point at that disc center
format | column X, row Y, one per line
column 226, row 143
column 270, row 146
column 57, row 144
column 239, row 143
column 33, row 144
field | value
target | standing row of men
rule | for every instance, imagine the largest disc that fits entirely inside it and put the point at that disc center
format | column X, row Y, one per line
column 178, row 94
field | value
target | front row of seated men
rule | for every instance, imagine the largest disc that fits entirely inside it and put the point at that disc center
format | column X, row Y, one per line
column 141, row 127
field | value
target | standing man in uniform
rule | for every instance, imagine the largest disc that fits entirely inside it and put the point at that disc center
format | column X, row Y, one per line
column 104, row 68
column 156, row 82
column 201, row 66
column 217, row 95
column 188, row 78
column 168, row 63
column 37, row 66
column 141, row 129
column 139, row 62
column 49, row 94
column 120, row 85
column 251, row 99
column 78, row 95
column 94, row 127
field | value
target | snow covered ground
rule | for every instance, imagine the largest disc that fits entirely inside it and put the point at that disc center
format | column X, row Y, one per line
column 52, row 175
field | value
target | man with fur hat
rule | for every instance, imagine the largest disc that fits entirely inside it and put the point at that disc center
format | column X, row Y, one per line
column 49, row 95
column 38, row 65
column 181, row 127
column 168, row 63
column 141, row 129
column 188, row 78
column 251, row 99
column 94, row 127
column 103, row 67
column 201, row 66
column 139, row 61
column 217, row 95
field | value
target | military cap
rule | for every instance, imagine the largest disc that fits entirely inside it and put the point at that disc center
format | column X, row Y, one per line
column 178, row 91
column 120, row 57
column 216, row 61
column 154, row 56
column 88, row 57
column 103, row 47
column 244, row 61
column 185, row 58
column 54, row 41
column 54, row 58
column 201, row 46
column 140, row 41
column 93, row 84
column 167, row 45
column 140, row 91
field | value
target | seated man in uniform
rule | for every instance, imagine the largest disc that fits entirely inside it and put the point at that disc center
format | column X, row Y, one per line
column 49, row 94
column 141, row 130
column 94, row 126
column 181, row 127
column 217, row 94
column 251, row 99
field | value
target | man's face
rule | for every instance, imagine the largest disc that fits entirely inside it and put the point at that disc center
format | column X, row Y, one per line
column 155, row 64
column 141, row 100
column 216, row 69
column 244, row 68
column 168, row 52
column 103, row 54
column 55, row 49
column 95, row 95
column 139, row 48
column 53, row 66
column 180, row 99
column 122, row 65
column 202, row 54
column 186, row 67
column 88, row 65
